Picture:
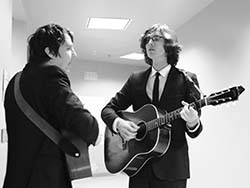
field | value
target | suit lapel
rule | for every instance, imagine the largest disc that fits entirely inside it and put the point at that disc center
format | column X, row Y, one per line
column 169, row 83
column 145, row 81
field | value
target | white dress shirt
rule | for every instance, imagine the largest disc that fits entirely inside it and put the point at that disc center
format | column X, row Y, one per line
column 162, row 81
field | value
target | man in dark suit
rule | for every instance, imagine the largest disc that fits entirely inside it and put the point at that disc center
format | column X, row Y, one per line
column 170, row 90
column 34, row 161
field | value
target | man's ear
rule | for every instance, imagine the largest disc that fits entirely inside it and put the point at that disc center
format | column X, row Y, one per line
column 47, row 51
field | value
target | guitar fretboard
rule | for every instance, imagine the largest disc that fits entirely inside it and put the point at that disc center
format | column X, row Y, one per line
column 169, row 117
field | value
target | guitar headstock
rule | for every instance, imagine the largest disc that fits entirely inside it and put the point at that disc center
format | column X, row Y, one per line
column 224, row 96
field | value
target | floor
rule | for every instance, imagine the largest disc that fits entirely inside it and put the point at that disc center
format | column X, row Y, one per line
column 109, row 181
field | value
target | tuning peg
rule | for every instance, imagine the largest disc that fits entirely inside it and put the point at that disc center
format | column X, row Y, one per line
column 240, row 89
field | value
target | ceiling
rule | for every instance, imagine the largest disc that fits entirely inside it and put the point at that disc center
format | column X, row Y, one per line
column 107, row 45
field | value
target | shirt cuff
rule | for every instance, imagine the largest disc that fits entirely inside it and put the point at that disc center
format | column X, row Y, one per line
column 114, row 126
column 195, row 127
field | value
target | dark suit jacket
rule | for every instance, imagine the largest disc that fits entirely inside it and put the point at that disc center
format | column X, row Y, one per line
column 33, row 160
column 175, row 163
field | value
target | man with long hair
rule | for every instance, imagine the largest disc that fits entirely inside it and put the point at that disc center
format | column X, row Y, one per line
column 167, row 88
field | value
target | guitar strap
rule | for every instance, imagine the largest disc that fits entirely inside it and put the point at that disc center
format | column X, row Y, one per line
column 42, row 124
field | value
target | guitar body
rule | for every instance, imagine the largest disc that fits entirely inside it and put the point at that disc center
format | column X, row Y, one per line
column 132, row 155
column 78, row 167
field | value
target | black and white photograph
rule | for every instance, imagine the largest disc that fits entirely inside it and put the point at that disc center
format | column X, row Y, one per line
column 128, row 94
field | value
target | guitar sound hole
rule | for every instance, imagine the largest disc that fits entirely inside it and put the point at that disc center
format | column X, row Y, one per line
column 141, row 132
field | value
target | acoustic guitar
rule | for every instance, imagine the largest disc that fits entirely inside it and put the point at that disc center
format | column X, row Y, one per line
column 78, row 166
column 154, row 133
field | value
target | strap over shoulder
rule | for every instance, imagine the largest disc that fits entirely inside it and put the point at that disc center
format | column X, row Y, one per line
column 41, row 123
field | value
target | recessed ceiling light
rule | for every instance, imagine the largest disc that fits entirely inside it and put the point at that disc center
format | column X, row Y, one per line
column 133, row 56
column 108, row 23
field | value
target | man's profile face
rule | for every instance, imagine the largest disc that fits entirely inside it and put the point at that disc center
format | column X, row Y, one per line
column 66, row 53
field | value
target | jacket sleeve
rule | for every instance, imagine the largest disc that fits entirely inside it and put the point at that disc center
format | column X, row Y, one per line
column 121, row 101
column 194, row 95
column 68, row 110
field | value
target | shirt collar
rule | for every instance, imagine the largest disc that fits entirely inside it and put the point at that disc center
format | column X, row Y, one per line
column 163, row 72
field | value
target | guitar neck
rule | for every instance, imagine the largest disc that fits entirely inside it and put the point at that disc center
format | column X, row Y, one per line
column 170, row 117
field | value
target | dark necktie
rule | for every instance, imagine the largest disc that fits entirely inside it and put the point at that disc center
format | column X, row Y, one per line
column 156, row 89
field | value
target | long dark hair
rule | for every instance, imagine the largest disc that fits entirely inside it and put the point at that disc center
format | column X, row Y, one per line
column 171, row 46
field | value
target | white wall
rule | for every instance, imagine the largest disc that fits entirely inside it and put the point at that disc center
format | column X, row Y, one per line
column 216, row 45
column 19, row 43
